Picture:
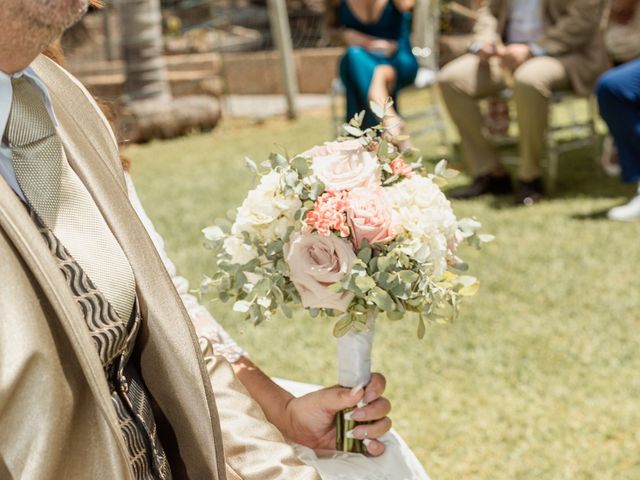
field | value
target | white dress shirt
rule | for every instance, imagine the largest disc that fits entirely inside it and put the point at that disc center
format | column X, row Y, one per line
column 526, row 23
column 6, row 93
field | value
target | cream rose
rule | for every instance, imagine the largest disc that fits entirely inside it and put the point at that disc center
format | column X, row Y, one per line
column 240, row 252
column 266, row 211
column 424, row 215
column 317, row 262
column 369, row 216
column 344, row 165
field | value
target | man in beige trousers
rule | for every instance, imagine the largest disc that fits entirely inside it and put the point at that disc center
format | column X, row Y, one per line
column 536, row 46
column 101, row 374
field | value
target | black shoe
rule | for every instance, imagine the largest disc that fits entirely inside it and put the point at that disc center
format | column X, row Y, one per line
column 483, row 185
column 530, row 192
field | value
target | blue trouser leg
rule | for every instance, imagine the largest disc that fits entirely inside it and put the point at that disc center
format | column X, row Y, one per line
column 618, row 92
column 356, row 72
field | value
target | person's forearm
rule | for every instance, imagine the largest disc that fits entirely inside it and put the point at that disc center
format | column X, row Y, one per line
column 355, row 38
column 272, row 398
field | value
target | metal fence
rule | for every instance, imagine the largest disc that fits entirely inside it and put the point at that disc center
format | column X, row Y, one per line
column 243, row 25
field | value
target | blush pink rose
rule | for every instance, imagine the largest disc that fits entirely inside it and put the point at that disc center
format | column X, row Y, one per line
column 315, row 263
column 369, row 216
column 344, row 165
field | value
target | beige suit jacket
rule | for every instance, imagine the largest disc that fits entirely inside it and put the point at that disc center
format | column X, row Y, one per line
column 56, row 417
column 572, row 33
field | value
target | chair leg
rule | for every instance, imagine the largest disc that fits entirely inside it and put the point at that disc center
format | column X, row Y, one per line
column 553, row 155
column 553, row 161
column 445, row 140
column 593, row 131
column 335, row 120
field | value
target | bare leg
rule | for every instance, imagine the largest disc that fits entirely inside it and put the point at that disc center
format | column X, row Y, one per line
column 382, row 84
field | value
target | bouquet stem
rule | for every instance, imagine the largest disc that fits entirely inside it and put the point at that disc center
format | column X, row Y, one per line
column 343, row 443
column 354, row 369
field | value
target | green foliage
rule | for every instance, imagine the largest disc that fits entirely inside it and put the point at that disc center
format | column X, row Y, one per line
column 538, row 378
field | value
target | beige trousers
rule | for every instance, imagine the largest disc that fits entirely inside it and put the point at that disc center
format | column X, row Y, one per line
column 465, row 80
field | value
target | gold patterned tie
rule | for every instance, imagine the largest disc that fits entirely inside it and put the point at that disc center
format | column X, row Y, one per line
column 61, row 200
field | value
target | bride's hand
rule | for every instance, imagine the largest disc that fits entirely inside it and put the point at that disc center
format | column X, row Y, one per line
column 311, row 418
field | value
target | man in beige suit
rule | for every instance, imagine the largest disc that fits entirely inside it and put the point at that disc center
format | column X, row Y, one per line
column 101, row 375
column 536, row 46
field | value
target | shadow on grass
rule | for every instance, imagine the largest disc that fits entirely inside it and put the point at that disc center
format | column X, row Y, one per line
column 597, row 215
column 579, row 176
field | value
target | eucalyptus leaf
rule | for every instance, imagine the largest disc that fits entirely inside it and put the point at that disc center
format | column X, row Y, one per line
column 356, row 132
column 469, row 291
column 381, row 298
column 286, row 310
column 241, row 306
column 486, row 237
column 422, row 330
column 251, row 165
column 300, row 165
column 408, row 276
column 378, row 110
column 342, row 326
column 365, row 254
column 441, row 167
column 365, row 283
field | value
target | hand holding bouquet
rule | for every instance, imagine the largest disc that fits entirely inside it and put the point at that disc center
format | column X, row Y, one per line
column 349, row 229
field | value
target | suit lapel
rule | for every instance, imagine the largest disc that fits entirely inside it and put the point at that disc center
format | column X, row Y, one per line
column 26, row 238
column 174, row 372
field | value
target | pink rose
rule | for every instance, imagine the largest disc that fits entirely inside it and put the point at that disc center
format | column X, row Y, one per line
column 317, row 262
column 400, row 168
column 369, row 216
column 329, row 148
column 344, row 165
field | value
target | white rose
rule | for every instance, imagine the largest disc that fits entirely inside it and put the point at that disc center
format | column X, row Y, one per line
column 344, row 165
column 240, row 252
column 425, row 217
column 266, row 211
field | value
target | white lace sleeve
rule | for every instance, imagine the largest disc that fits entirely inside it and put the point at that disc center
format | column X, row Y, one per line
column 204, row 323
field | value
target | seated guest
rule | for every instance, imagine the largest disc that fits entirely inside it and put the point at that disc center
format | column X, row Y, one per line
column 622, row 38
column 378, row 62
column 543, row 45
column 618, row 93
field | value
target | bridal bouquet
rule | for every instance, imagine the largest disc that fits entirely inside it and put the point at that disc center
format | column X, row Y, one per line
column 350, row 230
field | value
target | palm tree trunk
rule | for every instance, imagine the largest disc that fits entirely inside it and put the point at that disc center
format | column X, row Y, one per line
column 143, row 51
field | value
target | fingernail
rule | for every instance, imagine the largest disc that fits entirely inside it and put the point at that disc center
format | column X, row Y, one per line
column 367, row 442
column 349, row 434
column 354, row 433
column 361, row 404
column 369, row 397
column 356, row 390
column 348, row 415
column 356, row 415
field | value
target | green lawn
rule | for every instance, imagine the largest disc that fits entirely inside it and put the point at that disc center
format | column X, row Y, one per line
column 540, row 377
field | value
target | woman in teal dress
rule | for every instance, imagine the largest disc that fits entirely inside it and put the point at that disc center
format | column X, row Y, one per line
column 378, row 61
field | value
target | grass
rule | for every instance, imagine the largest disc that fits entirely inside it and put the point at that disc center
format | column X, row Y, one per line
column 539, row 379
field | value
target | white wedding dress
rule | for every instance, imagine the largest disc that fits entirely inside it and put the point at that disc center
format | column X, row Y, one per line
column 397, row 463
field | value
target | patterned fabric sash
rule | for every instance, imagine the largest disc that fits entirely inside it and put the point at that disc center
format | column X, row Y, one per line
column 115, row 340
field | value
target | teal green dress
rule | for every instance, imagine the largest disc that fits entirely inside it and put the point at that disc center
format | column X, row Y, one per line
column 357, row 65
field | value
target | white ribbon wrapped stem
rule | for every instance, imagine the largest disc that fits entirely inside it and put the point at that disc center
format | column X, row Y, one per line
column 354, row 357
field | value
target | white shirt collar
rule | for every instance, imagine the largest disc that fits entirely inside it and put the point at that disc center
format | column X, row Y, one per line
column 6, row 94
